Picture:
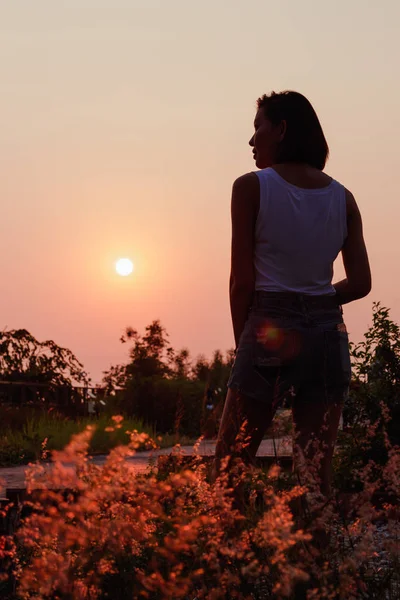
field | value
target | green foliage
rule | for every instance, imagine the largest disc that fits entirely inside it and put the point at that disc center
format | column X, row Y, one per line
column 162, row 386
column 26, row 443
column 376, row 373
column 372, row 411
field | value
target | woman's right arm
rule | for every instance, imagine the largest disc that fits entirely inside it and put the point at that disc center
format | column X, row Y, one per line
column 355, row 258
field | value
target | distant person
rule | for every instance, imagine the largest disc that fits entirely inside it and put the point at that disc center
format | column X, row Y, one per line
column 209, row 420
column 210, row 398
column 92, row 405
column 290, row 221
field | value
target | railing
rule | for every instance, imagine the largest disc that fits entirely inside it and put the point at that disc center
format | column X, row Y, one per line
column 73, row 399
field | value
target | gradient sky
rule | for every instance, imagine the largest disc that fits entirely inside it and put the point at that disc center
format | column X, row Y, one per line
column 123, row 125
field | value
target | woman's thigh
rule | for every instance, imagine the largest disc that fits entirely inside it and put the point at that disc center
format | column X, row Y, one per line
column 323, row 388
column 316, row 423
column 243, row 425
column 315, row 419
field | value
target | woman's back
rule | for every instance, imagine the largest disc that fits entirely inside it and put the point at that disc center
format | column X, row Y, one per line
column 299, row 231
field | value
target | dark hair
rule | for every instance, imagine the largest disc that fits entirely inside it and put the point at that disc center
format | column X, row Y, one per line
column 304, row 139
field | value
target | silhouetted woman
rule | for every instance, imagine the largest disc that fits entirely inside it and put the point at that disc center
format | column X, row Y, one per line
column 289, row 223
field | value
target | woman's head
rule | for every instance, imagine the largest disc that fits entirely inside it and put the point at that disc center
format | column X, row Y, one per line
column 287, row 129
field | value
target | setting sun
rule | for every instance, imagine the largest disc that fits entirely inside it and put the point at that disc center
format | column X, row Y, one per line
column 124, row 266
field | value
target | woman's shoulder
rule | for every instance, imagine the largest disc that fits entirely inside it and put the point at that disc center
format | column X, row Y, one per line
column 246, row 192
column 351, row 204
column 247, row 180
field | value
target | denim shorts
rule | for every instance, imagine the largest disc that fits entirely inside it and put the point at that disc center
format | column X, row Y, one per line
column 293, row 346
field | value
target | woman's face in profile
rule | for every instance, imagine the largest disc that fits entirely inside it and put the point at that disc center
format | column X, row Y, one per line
column 265, row 140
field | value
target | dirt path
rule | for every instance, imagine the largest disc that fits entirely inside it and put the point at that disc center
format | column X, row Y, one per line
column 14, row 477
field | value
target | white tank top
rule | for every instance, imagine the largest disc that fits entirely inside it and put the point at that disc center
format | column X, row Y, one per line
column 299, row 233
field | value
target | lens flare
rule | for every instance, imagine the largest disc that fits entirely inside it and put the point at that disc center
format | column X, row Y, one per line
column 270, row 336
column 279, row 342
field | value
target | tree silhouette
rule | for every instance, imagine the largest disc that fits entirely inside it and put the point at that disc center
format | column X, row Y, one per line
column 160, row 385
column 24, row 358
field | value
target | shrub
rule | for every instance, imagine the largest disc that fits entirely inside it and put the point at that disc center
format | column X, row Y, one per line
column 372, row 411
column 166, row 534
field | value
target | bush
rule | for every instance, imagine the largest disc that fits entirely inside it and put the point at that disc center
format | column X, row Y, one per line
column 372, row 411
column 165, row 535
column 172, row 405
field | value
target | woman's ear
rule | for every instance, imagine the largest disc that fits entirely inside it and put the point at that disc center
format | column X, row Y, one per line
column 283, row 128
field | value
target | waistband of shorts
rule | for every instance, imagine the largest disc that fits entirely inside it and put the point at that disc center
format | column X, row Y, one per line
column 294, row 300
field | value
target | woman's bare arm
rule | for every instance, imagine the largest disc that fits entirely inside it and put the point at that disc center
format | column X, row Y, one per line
column 355, row 258
column 244, row 210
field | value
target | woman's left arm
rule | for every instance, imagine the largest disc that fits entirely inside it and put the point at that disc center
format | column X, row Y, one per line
column 244, row 210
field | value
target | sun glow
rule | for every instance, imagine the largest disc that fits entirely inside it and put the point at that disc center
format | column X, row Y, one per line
column 124, row 266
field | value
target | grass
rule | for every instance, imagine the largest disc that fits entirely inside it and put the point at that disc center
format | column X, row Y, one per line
column 21, row 440
column 26, row 444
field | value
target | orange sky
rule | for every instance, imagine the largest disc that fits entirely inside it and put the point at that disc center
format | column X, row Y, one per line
column 122, row 128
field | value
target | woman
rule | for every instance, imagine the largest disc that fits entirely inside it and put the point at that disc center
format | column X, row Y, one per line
column 289, row 222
